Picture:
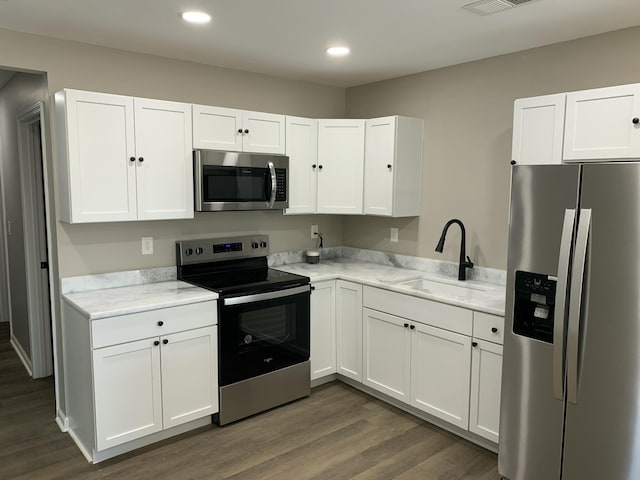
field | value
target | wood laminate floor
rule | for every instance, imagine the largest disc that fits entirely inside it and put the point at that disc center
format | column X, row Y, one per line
column 336, row 433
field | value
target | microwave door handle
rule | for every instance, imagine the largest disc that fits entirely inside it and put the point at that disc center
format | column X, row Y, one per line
column 274, row 184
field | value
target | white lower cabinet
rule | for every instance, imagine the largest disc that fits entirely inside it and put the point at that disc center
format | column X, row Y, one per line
column 486, row 381
column 387, row 354
column 440, row 373
column 153, row 384
column 323, row 329
column 349, row 329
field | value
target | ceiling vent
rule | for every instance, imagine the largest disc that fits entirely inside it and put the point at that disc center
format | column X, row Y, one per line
column 488, row 7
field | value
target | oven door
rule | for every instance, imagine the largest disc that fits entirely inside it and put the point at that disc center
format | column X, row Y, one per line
column 263, row 332
column 235, row 181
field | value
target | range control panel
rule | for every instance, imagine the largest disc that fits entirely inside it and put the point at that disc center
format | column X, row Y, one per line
column 204, row 250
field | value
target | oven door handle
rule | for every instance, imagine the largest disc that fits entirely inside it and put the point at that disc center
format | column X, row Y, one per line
column 258, row 297
column 274, row 183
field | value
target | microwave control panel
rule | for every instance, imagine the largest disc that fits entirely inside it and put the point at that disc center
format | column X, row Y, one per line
column 281, row 182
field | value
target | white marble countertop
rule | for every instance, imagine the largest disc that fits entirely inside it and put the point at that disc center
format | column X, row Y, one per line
column 109, row 302
column 480, row 296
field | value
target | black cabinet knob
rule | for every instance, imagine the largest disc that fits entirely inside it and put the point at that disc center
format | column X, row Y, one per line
column 239, row 130
column 389, row 166
column 141, row 159
column 513, row 162
column 406, row 325
column 320, row 167
column 156, row 343
column 312, row 287
column 313, row 166
column 494, row 330
column 474, row 344
column 160, row 323
column 636, row 120
column 132, row 159
column 413, row 327
column 246, row 130
column 165, row 341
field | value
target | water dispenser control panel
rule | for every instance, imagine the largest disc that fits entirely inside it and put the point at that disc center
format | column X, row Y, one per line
column 535, row 298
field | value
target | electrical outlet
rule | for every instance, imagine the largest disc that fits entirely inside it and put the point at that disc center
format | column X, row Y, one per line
column 394, row 235
column 147, row 245
column 314, row 231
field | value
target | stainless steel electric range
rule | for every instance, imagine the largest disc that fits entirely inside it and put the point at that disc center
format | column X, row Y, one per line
column 263, row 322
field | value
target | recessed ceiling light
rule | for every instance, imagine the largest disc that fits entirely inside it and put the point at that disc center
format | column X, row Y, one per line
column 196, row 17
column 338, row 51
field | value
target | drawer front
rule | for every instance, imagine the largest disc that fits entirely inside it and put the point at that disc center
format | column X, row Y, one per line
column 152, row 323
column 488, row 327
column 436, row 314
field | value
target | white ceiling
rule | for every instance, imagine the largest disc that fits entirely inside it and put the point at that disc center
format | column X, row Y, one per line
column 287, row 38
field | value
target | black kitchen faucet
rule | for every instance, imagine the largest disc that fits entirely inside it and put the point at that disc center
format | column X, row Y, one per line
column 464, row 264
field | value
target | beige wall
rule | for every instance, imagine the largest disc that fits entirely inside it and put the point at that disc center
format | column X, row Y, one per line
column 468, row 113
column 97, row 248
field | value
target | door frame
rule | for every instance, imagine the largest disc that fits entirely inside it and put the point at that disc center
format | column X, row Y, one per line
column 34, row 210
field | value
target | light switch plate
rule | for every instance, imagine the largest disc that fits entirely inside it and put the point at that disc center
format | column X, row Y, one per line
column 147, row 245
column 394, row 235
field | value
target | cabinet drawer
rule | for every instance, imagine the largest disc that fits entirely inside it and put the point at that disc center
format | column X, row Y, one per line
column 436, row 314
column 136, row 326
column 484, row 325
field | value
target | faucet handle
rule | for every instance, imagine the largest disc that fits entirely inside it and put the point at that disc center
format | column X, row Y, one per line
column 469, row 262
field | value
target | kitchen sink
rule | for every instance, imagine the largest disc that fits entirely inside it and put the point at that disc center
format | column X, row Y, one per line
column 441, row 287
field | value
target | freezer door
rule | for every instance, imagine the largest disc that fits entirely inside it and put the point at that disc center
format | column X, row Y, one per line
column 531, row 418
column 602, row 438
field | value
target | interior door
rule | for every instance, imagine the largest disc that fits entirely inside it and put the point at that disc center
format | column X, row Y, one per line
column 531, row 416
column 603, row 427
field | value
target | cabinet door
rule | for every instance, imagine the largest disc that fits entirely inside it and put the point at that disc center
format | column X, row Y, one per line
column 538, row 130
column 164, row 165
column 263, row 133
column 380, row 141
column 189, row 375
column 349, row 329
column 323, row 329
column 340, row 166
column 217, row 128
column 486, row 381
column 302, row 150
column 100, row 142
column 440, row 371
column 599, row 123
column 387, row 354
column 127, row 392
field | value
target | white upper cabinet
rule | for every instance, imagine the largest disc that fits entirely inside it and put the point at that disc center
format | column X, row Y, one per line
column 393, row 166
column 229, row 129
column 340, row 166
column 538, row 128
column 302, row 150
column 603, row 123
column 122, row 158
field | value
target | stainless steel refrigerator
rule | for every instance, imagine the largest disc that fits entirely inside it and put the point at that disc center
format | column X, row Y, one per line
column 570, row 406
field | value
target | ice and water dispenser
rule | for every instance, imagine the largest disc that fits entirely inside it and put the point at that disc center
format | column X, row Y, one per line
column 535, row 298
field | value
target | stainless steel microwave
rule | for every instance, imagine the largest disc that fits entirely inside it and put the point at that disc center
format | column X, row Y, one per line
column 240, row 181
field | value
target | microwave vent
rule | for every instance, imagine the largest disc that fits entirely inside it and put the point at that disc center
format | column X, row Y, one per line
column 489, row 7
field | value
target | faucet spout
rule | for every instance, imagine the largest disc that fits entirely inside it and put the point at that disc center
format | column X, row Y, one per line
column 465, row 261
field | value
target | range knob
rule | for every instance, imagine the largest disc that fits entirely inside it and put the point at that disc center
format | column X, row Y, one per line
column 263, row 244
column 189, row 251
column 199, row 250
column 254, row 245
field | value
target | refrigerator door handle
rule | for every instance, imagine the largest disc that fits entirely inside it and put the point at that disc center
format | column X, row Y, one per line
column 561, row 303
column 575, row 303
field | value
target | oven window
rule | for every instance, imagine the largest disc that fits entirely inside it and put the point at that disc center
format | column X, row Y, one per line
column 271, row 325
column 235, row 184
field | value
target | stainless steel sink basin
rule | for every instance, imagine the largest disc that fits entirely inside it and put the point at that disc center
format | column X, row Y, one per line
column 440, row 287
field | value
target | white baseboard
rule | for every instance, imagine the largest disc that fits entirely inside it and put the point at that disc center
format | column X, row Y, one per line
column 80, row 445
column 62, row 420
column 22, row 355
